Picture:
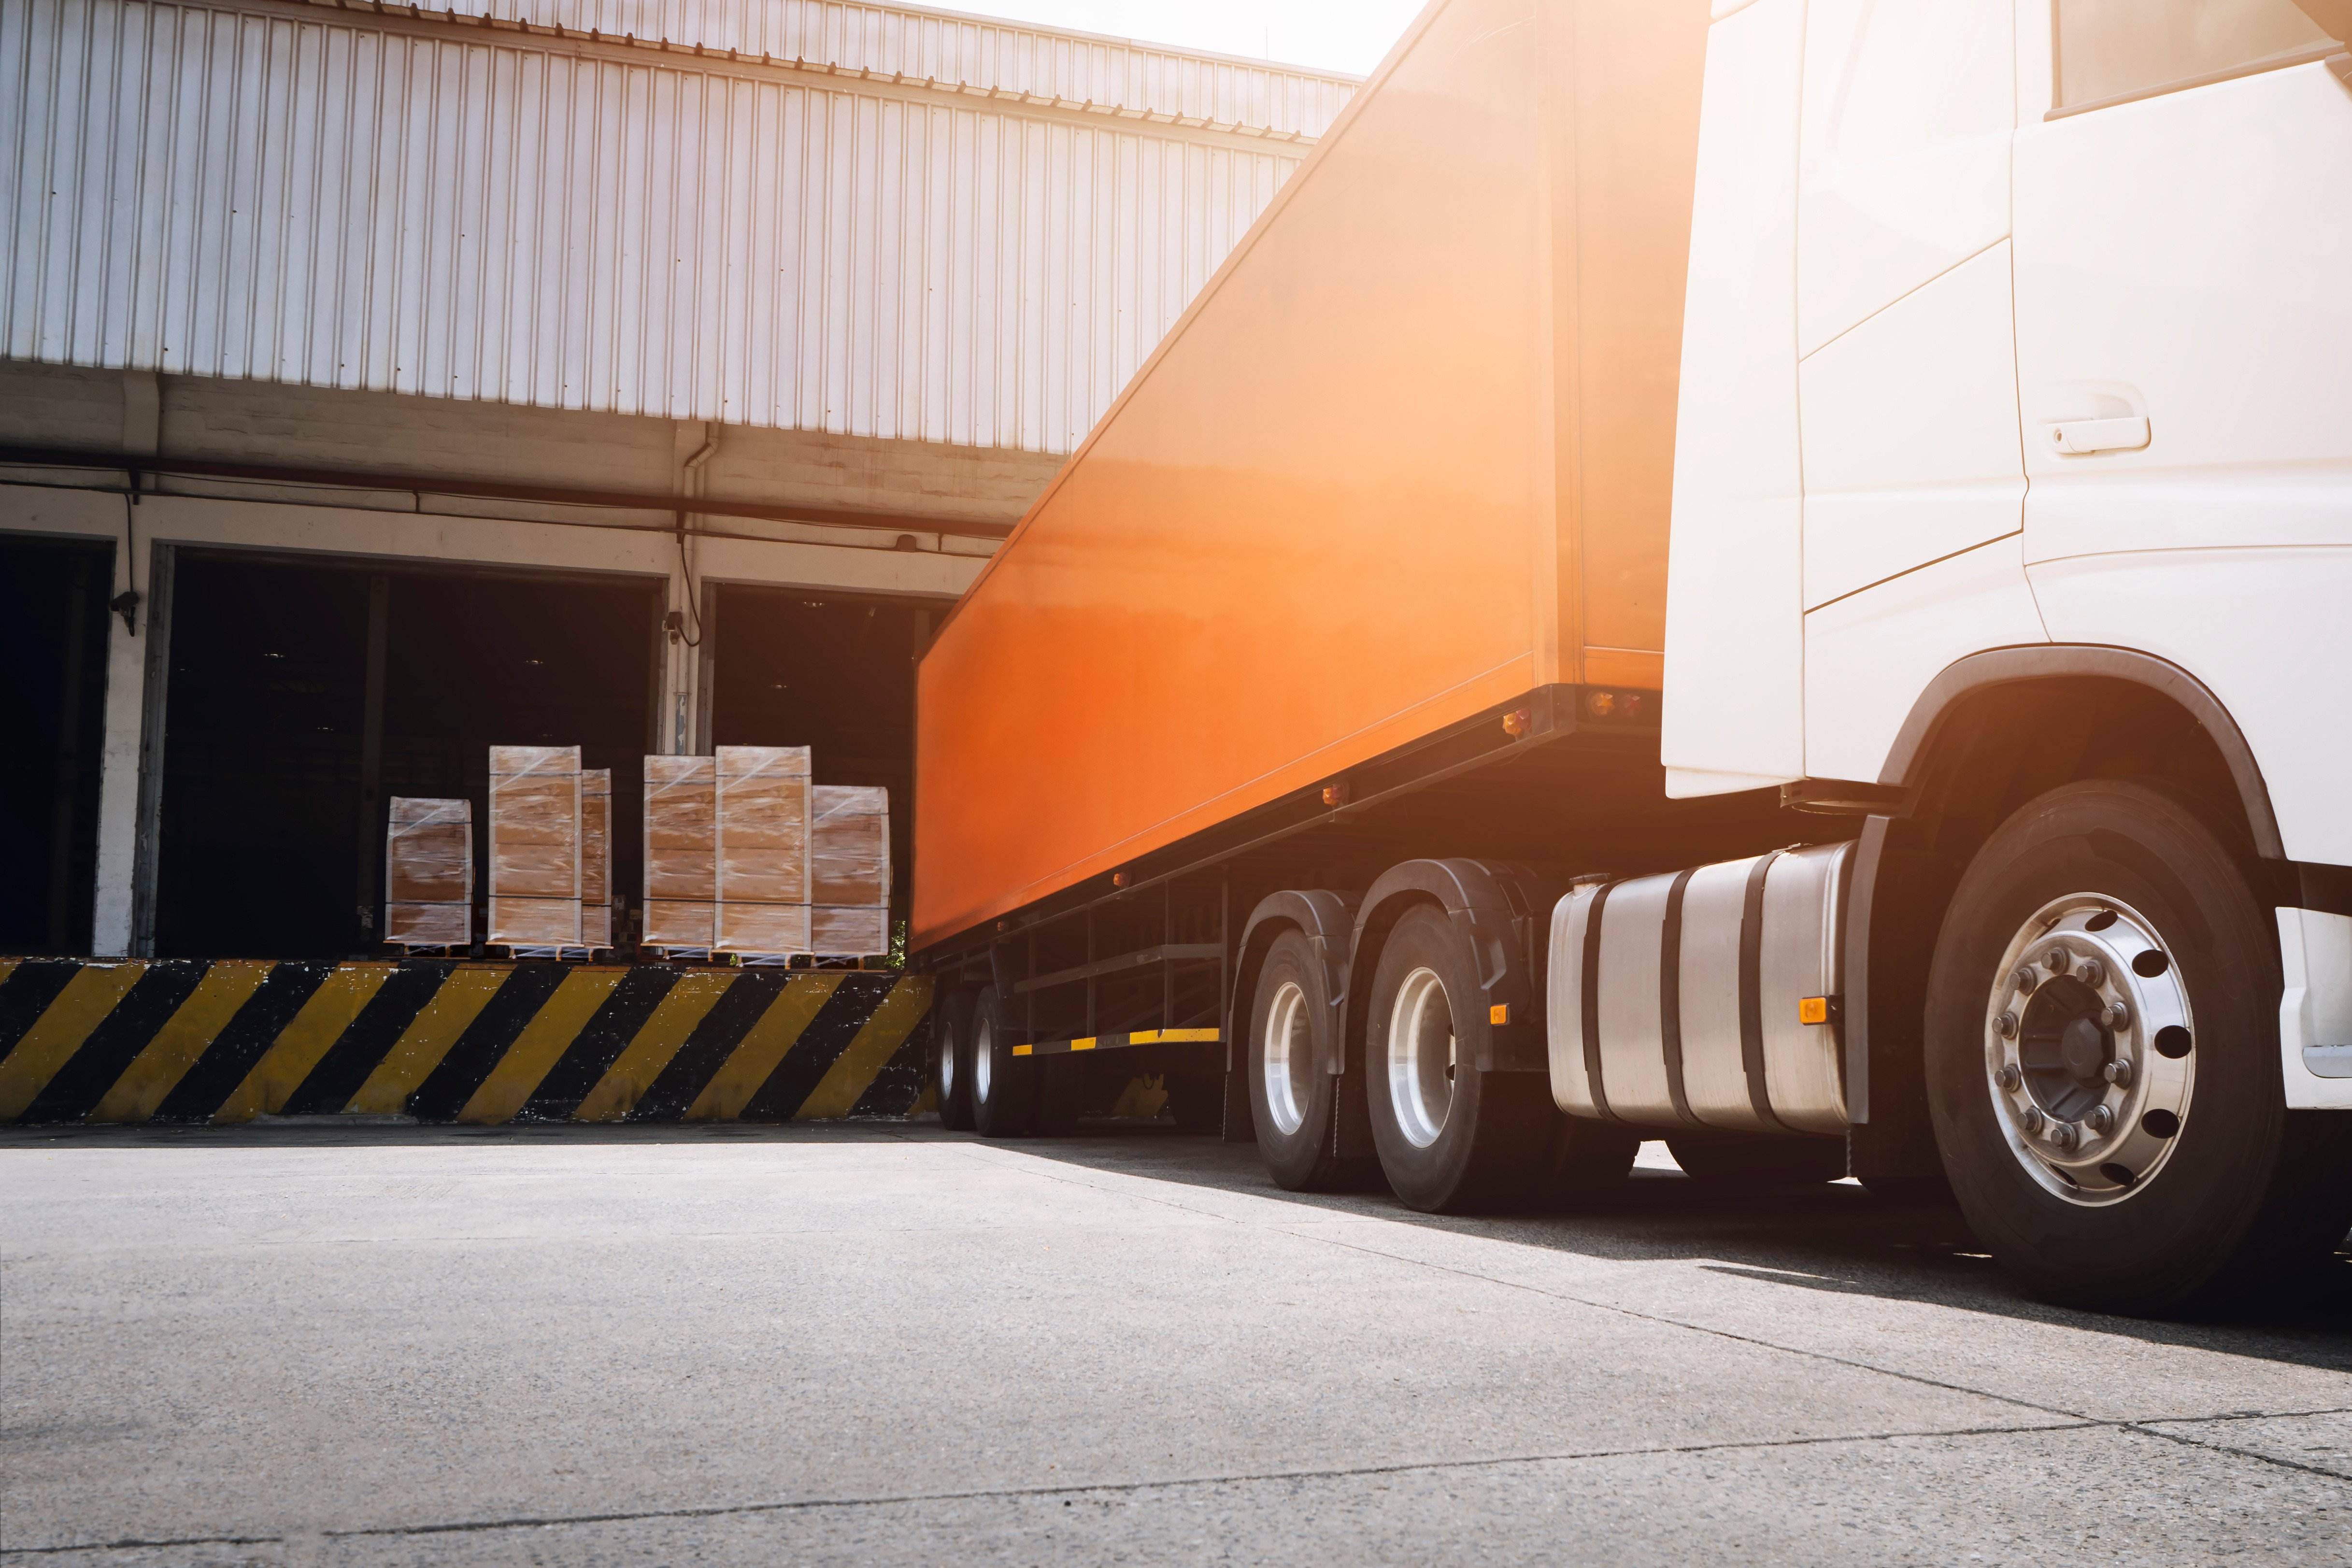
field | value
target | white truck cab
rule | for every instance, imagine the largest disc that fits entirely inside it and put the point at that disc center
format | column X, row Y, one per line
column 2013, row 509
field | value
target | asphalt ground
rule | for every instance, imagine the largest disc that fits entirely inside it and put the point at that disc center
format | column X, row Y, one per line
column 886, row 1343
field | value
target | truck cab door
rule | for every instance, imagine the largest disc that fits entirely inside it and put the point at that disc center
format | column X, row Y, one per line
column 1906, row 368
column 2184, row 277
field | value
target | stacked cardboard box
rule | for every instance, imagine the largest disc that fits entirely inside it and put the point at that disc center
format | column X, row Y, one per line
column 428, row 873
column 535, row 843
column 596, row 857
column 764, row 840
column 849, row 871
column 681, row 901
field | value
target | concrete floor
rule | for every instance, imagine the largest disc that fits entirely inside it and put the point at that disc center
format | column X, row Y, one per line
column 889, row 1344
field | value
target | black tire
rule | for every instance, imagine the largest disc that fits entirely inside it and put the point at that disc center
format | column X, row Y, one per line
column 1197, row 1101
column 2245, row 1192
column 1004, row 1086
column 1765, row 1160
column 951, row 1059
column 1299, row 1157
column 1487, row 1149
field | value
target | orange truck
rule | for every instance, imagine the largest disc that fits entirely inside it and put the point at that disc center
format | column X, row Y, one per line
column 1598, row 625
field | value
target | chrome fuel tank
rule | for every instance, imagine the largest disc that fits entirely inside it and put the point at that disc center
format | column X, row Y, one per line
column 1706, row 997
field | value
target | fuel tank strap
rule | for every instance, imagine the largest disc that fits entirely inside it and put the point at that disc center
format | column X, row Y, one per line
column 1670, row 998
column 1589, row 995
column 1751, row 994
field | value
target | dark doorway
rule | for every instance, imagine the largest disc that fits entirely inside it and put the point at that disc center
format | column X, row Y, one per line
column 53, row 636
column 271, row 836
column 805, row 668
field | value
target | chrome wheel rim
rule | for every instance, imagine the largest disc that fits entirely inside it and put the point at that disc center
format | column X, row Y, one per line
column 981, row 1041
column 947, row 1066
column 1421, row 1058
column 1288, row 1057
column 2090, row 1049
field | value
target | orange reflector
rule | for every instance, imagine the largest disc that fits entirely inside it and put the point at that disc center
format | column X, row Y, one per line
column 1335, row 793
column 1814, row 1010
column 1500, row 1013
column 1519, row 721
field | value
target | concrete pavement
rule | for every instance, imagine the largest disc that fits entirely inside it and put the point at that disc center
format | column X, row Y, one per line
column 880, row 1343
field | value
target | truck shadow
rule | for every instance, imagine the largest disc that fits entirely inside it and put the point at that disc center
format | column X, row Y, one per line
column 1834, row 1239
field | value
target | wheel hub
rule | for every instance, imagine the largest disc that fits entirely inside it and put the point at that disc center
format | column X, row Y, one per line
column 1421, row 1049
column 1288, row 1057
column 2089, row 1048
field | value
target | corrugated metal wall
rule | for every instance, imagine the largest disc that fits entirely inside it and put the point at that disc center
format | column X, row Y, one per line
column 319, row 196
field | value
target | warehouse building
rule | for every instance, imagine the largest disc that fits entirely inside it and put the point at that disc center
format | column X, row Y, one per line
column 379, row 382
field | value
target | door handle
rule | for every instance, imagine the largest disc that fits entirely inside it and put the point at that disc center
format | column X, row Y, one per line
column 2075, row 437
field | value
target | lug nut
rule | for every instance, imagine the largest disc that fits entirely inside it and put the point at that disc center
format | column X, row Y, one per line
column 2034, row 1118
column 2102, row 1117
column 2009, row 1077
column 2062, row 1134
column 2119, row 1073
column 2058, row 962
column 2092, row 973
column 2025, row 979
column 2006, row 1026
column 2117, row 1017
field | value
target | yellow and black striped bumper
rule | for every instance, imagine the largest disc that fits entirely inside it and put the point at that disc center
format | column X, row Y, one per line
column 187, row 1040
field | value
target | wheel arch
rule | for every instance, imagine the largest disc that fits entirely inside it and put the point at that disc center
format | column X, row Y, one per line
column 1993, row 730
column 1500, row 911
column 1325, row 918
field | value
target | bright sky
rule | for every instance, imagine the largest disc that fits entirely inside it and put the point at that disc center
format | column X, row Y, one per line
column 1336, row 35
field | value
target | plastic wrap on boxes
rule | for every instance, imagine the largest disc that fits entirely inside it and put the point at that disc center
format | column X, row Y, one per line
column 428, row 873
column 681, row 851
column 762, row 928
column 596, row 857
column 535, row 845
column 849, row 845
column 763, row 849
column 849, row 932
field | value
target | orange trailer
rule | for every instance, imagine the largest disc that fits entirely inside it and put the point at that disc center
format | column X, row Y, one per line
column 1390, row 501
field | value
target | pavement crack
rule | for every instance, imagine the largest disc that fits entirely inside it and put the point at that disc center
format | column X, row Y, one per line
column 1246, row 1477
column 140, row 1545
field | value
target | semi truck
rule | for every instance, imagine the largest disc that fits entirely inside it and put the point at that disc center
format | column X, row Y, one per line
column 1771, row 574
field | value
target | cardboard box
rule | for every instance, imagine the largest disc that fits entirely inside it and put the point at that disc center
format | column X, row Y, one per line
column 535, row 845
column 763, row 849
column 849, row 870
column 681, row 895
column 428, row 873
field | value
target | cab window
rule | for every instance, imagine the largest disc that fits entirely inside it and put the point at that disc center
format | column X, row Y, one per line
column 2110, row 50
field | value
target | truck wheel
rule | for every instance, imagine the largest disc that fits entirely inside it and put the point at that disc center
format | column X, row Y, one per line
column 1293, row 1101
column 1768, row 1159
column 1451, row 1139
column 1004, row 1086
column 951, row 1059
column 2103, row 1060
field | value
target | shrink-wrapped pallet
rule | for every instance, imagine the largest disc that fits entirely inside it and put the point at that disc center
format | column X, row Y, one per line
column 596, row 857
column 763, row 849
column 681, row 901
column 428, row 873
column 849, row 870
column 535, row 845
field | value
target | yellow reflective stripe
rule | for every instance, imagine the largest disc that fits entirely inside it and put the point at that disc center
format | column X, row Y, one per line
column 428, row 1039
column 540, row 1044
column 60, row 1030
column 1025, row 1050
column 165, row 1059
column 763, row 1046
column 633, row 1071
column 1085, row 1045
column 1171, row 1037
column 339, row 998
column 853, row 1072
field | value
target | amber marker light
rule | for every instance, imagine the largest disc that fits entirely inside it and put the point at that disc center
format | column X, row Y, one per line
column 1500, row 1013
column 1519, row 721
column 1335, row 793
column 1812, row 1010
column 1118, row 879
